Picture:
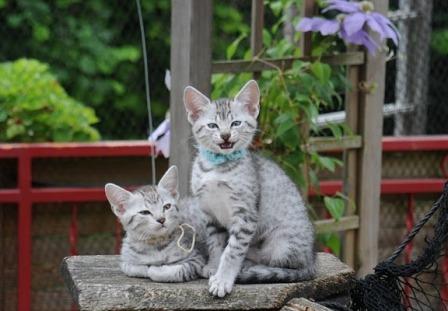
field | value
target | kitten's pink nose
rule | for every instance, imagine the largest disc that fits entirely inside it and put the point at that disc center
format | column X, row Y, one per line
column 161, row 220
column 225, row 136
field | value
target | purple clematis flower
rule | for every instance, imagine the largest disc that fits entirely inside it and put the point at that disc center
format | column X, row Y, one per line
column 342, row 6
column 322, row 25
column 352, row 24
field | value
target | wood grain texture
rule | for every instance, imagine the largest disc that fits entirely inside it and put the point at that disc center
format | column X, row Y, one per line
column 322, row 144
column 308, row 10
column 303, row 304
column 371, row 129
column 97, row 283
column 351, row 159
column 191, row 24
column 333, row 225
column 237, row 66
column 256, row 30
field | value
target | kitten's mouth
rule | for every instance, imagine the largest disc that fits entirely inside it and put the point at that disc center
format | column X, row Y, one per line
column 226, row 145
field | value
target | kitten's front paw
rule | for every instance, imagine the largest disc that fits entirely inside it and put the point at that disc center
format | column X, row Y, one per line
column 157, row 273
column 208, row 270
column 220, row 286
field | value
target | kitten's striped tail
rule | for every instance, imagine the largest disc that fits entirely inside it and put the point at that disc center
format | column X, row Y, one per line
column 267, row 274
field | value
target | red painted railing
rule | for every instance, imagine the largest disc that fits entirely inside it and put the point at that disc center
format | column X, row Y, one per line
column 25, row 195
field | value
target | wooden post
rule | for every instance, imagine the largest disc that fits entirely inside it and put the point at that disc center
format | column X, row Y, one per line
column 191, row 24
column 350, row 160
column 256, row 30
column 369, row 180
column 308, row 7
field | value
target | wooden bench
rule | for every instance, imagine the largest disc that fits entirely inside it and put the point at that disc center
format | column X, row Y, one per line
column 97, row 283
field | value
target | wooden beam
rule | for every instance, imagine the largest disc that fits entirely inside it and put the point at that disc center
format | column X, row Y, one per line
column 322, row 144
column 237, row 66
column 191, row 22
column 332, row 225
column 371, row 129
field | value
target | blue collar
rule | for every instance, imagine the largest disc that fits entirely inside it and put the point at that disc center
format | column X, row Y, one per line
column 219, row 158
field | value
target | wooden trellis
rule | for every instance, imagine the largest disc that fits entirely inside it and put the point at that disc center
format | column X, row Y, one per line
column 191, row 64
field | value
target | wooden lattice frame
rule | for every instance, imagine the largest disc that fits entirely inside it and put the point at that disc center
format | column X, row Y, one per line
column 191, row 63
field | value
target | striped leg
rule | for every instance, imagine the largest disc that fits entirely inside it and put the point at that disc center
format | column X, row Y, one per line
column 240, row 234
column 216, row 241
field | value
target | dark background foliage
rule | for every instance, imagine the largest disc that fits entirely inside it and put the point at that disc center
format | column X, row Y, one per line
column 93, row 48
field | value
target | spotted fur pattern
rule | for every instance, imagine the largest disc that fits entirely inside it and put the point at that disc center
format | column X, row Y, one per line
column 151, row 217
column 257, row 224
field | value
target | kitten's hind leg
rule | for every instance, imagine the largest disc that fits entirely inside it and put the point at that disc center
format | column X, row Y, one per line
column 188, row 270
column 216, row 241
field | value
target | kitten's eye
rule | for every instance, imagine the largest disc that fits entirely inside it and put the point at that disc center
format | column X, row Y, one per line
column 145, row 212
column 236, row 123
column 212, row 125
column 167, row 206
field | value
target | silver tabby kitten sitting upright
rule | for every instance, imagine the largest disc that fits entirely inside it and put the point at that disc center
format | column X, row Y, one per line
column 258, row 225
column 151, row 217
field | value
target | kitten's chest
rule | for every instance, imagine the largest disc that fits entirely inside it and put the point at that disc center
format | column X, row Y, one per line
column 215, row 191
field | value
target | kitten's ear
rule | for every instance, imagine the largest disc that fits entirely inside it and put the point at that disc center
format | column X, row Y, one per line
column 249, row 96
column 195, row 103
column 117, row 197
column 169, row 181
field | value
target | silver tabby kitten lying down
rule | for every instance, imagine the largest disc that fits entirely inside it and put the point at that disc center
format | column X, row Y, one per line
column 258, row 226
column 151, row 217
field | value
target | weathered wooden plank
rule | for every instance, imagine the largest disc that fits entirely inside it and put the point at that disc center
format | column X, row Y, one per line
column 191, row 22
column 322, row 144
column 97, row 283
column 371, row 129
column 303, row 304
column 256, row 30
column 333, row 225
column 238, row 66
column 351, row 159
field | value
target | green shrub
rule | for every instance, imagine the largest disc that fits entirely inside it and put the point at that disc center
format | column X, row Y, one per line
column 34, row 107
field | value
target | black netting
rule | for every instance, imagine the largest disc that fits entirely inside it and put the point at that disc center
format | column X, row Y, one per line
column 417, row 285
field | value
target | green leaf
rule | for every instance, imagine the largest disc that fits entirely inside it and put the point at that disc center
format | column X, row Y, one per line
column 321, row 71
column 336, row 130
column 335, row 206
column 276, row 7
column 439, row 41
column 37, row 108
column 15, row 130
column 231, row 49
column 267, row 38
column 334, row 243
column 328, row 162
column 41, row 32
column 284, row 123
